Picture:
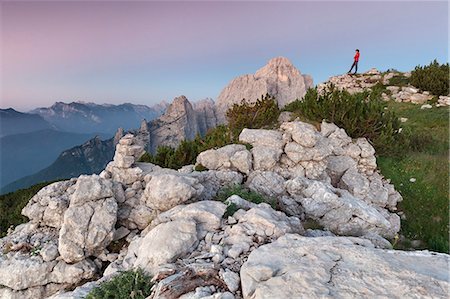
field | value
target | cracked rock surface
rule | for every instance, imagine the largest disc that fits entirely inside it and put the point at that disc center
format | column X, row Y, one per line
column 341, row 267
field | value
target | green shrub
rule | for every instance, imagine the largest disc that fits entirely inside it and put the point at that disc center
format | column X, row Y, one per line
column 231, row 209
column 361, row 115
column 399, row 80
column 433, row 78
column 215, row 138
column 129, row 284
column 200, row 167
column 188, row 150
column 11, row 205
column 245, row 193
column 262, row 114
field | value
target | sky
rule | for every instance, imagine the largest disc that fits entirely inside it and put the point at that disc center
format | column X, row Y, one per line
column 144, row 52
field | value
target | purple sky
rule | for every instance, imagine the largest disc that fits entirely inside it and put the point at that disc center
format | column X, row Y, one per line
column 144, row 52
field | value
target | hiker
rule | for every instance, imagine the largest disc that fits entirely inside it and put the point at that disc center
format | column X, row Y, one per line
column 355, row 62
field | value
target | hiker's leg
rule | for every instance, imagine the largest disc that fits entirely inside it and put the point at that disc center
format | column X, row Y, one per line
column 351, row 68
column 356, row 67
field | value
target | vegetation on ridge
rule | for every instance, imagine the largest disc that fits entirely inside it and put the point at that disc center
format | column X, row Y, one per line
column 129, row 284
column 433, row 78
column 244, row 193
column 425, row 158
column 361, row 115
column 11, row 205
column 262, row 114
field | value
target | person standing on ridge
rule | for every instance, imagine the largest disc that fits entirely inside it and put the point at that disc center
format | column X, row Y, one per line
column 355, row 62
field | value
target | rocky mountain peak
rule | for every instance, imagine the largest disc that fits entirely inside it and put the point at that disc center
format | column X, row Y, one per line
column 280, row 68
column 179, row 106
column 279, row 78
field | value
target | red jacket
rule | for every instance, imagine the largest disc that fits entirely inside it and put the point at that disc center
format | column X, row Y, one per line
column 357, row 56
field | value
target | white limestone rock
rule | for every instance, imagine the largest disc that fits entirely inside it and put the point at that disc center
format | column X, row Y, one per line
column 266, row 183
column 20, row 272
column 337, row 166
column 231, row 279
column 262, row 137
column 207, row 214
column 341, row 267
column 165, row 243
column 90, row 219
column 47, row 207
column 267, row 222
column 265, row 158
column 339, row 211
column 303, row 133
column 212, row 181
column 166, row 191
column 240, row 202
column 233, row 156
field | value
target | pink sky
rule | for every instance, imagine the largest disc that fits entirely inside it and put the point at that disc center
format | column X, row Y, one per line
column 145, row 52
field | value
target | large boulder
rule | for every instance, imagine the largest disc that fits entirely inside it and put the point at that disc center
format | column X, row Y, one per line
column 303, row 133
column 207, row 214
column 165, row 243
column 342, row 267
column 30, row 265
column 266, row 183
column 21, row 272
column 339, row 211
column 261, row 137
column 165, row 191
column 47, row 207
column 265, row 221
column 90, row 219
column 233, row 156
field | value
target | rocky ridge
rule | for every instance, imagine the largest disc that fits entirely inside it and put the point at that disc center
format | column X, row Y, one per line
column 173, row 229
column 181, row 121
column 365, row 81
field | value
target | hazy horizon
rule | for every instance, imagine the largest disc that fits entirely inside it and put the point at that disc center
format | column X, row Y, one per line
column 147, row 52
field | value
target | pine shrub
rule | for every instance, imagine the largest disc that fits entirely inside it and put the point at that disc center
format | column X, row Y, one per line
column 433, row 78
column 262, row 114
column 361, row 115
column 188, row 150
column 128, row 284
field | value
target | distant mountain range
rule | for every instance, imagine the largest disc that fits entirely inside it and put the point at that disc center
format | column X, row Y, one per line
column 15, row 122
column 180, row 120
column 30, row 142
column 80, row 117
column 26, row 153
column 90, row 157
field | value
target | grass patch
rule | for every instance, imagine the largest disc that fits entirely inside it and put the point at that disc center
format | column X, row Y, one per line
column 425, row 201
column 11, row 205
column 128, row 284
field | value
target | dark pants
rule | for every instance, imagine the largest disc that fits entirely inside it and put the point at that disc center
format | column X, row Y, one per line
column 355, row 64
